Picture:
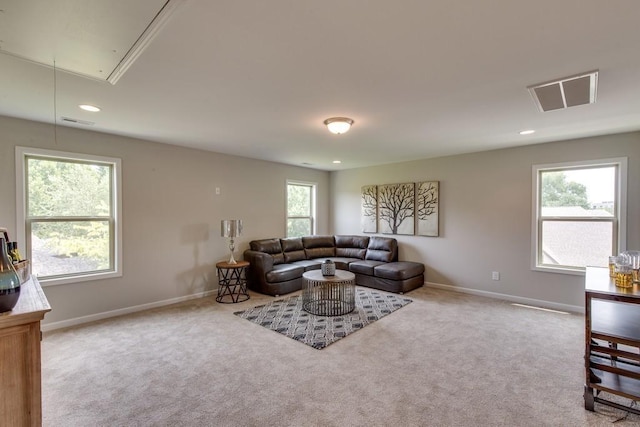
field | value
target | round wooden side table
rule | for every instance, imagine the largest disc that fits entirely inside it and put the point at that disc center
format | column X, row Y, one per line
column 232, row 282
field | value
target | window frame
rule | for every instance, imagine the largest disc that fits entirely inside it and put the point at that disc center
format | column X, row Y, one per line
column 619, row 219
column 115, row 219
column 313, row 196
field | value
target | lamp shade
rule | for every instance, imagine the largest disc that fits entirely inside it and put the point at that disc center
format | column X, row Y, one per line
column 231, row 227
column 338, row 125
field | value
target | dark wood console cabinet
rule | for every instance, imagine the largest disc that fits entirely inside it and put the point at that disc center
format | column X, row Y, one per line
column 612, row 341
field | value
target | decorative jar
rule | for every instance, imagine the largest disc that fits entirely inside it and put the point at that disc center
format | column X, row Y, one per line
column 328, row 268
column 612, row 265
column 633, row 258
column 9, row 281
column 624, row 276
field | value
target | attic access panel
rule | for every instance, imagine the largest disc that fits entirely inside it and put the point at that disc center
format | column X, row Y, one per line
column 568, row 92
column 92, row 38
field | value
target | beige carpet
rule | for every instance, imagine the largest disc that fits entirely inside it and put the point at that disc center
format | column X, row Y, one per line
column 447, row 359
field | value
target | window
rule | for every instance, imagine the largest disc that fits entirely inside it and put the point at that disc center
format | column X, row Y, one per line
column 579, row 214
column 69, row 215
column 301, row 208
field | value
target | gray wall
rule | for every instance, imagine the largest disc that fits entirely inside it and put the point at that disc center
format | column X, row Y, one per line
column 171, row 214
column 485, row 216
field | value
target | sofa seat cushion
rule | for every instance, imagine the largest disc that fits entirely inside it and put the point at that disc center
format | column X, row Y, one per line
column 399, row 270
column 309, row 264
column 342, row 263
column 364, row 267
column 284, row 272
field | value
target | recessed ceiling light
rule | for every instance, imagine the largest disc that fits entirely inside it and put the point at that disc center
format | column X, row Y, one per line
column 337, row 162
column 88, row 107
column 527, row 132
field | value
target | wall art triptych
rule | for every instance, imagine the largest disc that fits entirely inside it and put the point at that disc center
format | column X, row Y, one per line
column 410, row 208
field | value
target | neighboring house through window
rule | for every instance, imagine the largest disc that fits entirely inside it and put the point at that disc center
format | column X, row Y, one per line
column 301, row 208
column 69, row 214
column 578, row 214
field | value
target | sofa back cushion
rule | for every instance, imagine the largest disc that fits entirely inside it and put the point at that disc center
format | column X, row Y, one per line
column 382, row 249
column 351, row 246
column 319, row 246
column 293, row 249
column 270, row 246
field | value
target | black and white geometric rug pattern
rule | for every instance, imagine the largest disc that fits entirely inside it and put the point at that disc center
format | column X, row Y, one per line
column 287, row 317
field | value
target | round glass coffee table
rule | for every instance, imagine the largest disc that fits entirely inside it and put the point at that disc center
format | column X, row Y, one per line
column 328, row 295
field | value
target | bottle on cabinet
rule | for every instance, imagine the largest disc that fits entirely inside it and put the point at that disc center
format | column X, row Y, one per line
column 9, row 280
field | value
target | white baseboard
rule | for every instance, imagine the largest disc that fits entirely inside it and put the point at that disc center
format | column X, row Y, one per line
column 511, row 298
column 46, row 327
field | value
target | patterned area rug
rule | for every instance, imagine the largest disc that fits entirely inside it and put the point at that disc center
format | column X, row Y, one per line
column 287, row 317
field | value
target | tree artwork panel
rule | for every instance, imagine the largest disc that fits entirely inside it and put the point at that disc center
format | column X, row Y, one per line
column 369, row 209
column 427, row 198
column 396, row 208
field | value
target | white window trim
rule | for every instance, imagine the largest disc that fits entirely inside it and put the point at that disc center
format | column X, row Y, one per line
column 621, row 208
column 21, row 153
column 314, row 195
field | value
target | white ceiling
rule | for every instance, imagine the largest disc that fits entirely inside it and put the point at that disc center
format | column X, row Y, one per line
column 257, row 78
column 92, row 38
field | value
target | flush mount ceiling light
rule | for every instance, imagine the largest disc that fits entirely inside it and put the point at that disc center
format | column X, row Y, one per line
column 88, row 107
column 527, row 132
column 338, row 125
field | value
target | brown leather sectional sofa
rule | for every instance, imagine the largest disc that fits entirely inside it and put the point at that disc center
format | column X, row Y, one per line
column 276, row 265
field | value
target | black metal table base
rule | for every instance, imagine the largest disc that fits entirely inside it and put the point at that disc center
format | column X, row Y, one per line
column 328, row 295
column 232, row 286
column 327, row 307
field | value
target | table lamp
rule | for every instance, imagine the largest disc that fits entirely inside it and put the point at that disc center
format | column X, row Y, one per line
column 231, row 228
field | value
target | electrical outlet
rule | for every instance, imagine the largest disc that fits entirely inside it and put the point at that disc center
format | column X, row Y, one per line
column 495, row 275
column 217, row 191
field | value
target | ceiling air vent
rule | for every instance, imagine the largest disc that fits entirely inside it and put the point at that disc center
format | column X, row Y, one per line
column 567, row 92
column 76, row 121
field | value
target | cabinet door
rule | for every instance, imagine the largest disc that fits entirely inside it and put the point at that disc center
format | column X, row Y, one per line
column 20, row 404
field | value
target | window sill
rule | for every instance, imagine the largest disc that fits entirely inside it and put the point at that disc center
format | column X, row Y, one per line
column 78, row 279
column 560, row 270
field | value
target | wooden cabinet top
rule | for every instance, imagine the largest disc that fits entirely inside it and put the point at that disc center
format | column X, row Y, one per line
column 31, row 307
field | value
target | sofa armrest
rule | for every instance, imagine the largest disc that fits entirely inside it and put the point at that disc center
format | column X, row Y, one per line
column 260, row 263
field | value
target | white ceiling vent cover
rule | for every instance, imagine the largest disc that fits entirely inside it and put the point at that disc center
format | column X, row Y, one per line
column 566, row 92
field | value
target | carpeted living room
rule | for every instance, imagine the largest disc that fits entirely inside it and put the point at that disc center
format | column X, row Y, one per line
column 319, row 213
column 445, row 359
